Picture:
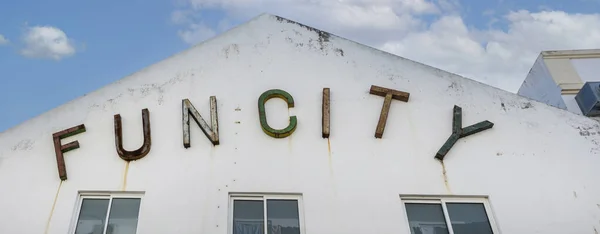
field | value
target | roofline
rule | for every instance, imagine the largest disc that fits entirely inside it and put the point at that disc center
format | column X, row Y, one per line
column 553, row 54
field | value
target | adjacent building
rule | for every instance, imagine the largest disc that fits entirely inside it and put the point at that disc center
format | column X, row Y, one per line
column 275, row 127
column 558, row 77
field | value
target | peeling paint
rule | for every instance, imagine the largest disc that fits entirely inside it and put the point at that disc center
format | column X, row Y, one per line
column 526, row 105
column 456, row 87
column 587, row 130
column 53, row 206
column 26, row 144
column 323, row 37
column 233, row 48
column 143, row 91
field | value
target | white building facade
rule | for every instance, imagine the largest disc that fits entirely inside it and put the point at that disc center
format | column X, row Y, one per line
column 452, row 156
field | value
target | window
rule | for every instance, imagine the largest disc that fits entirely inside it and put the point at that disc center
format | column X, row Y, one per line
column 108, row 214
column 431, row 215
column 263, row 214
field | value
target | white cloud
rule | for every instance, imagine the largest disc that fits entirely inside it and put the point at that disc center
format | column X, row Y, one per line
column 375, row 18
column 428, row 31
column 499, row 58
column 180, row 16
column 3, row 40
column 196, row 32
column 47, row 42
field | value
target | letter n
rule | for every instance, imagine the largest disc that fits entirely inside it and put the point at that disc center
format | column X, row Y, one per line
column 190, row 111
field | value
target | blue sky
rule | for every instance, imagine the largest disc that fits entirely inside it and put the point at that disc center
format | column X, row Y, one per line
column 111, row 39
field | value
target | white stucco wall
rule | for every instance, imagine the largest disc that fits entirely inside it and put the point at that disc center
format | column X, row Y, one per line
column 538, row 165
column 539, row 85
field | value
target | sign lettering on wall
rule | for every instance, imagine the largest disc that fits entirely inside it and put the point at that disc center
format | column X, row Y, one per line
column 459, row 132
column 144, row 149
column 326, row 114
column 212, row 131
column 60, row 149
column 389, row 94
column 277, row 133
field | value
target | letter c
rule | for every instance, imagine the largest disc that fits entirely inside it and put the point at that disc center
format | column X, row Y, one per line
column 276, row 133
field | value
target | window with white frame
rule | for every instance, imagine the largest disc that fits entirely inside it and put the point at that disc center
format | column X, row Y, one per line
column 266, row 214
column 108, row 214
column 448, row 215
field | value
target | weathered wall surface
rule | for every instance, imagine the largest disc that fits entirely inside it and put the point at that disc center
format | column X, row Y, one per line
column 538, row 165
column 540, row 86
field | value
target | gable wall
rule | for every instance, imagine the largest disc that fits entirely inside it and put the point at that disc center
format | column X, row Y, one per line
column 537, row 164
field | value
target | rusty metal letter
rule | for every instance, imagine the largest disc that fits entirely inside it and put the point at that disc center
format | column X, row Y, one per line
column 60, row 149
column 211, row 133
column 142, row 151
column 459, row 132
column 389, row 94
column 277, row 133
column 325, row 119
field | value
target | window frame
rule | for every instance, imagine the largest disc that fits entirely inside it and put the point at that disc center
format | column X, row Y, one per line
column 102, row 195
column 443, row 200
column 264, row 197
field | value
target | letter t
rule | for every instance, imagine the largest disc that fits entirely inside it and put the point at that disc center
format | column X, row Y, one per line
column 389, row 94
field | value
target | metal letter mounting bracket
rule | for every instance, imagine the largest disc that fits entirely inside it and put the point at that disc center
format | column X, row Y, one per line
column 142, row 151
column 276, row 133
column 459, row 132
column 60, row 149
column 389, row 94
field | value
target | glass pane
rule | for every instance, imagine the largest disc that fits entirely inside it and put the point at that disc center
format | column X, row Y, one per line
column 123, row 216
column 248, row 217
column 468, row 218
column 92, row 216
column 426, row 218
column 283, row 217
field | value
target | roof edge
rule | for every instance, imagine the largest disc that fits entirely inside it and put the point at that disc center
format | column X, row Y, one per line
column 586, row 53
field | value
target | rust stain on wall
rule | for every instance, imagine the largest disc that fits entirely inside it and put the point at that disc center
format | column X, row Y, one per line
column 125, row 176
column 445, row 178
column 329, row 156
column 53, row 206
column 329, row 147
